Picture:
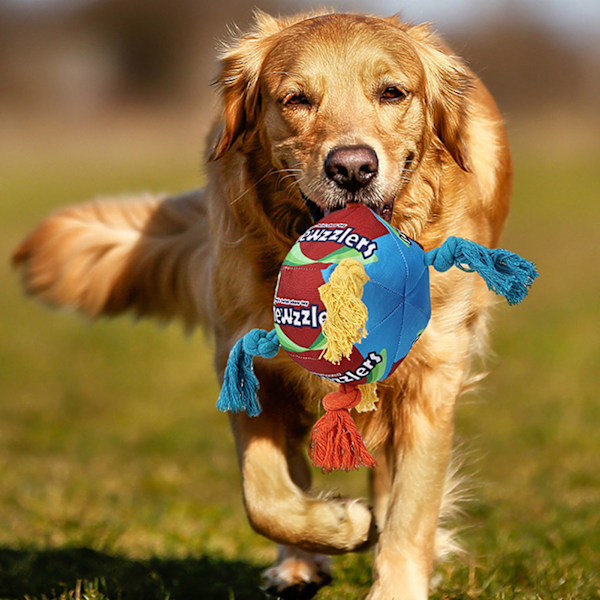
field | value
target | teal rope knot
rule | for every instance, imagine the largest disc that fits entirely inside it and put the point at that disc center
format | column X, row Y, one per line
column 504, row 272
column 261, row 343
column 240, row 385
column 444, row 257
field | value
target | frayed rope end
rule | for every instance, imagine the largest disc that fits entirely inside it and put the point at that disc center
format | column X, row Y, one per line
column 240, row 385
column 336, row 443
column 504, row 272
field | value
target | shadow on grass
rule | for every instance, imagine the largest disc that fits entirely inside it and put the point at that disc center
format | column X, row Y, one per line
column 56, row 573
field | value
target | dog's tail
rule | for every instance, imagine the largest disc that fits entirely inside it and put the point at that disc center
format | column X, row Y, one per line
column 147, row 255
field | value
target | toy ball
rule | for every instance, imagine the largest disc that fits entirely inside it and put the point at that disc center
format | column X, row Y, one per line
column 349, row 260
column 352, row 298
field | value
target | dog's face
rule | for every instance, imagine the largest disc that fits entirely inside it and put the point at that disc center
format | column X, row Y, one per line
column 345, row 105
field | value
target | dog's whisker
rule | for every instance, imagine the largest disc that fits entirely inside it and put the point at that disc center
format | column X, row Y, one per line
column 289, row 176
column 252, row 186
column 291, row 185
column 288, row 170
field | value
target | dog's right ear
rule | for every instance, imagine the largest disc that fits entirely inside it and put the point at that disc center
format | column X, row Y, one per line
column 238, row 83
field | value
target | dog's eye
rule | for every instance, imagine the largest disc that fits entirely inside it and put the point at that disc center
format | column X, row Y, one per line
column 393, row 93
column 295, row 99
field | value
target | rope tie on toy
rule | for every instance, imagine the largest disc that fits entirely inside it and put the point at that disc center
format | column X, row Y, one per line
column 335, row 442
column 346, row 312
column 504, row 272
column 240, row 385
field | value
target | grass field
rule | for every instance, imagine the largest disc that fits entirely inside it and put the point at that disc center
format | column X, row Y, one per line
column 118, row 475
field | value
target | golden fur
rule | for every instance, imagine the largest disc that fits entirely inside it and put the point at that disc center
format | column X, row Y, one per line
column 292, row 89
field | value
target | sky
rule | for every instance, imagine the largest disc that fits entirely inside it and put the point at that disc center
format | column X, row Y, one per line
column 578, row 20
column 574, row 16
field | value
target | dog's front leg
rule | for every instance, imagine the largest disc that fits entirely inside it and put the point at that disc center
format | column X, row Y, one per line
column 276, row 480
column 279, row 508
column 422, row 445
column 276, row 485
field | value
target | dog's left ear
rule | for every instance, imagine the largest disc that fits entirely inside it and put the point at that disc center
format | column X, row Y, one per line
column 448, row 85
column 238, row 83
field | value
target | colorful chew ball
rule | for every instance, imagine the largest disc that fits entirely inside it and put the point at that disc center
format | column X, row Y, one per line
column 352, row 298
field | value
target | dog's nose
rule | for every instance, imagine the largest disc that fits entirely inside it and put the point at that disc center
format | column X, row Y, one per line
column 352, row 167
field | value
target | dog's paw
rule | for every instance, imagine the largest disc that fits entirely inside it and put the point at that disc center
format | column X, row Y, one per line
column 297, row 575
column 365, row 519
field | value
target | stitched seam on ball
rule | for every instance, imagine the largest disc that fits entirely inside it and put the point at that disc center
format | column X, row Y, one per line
column 403, row 324
column 315, row 266
column 418, row 280
column 401, row 250
column 384, row 287
column 419, row 308
column 403, row 303
column 303, row 357
column 384, row 319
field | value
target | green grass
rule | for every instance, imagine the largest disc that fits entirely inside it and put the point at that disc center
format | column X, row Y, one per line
column 119, row 479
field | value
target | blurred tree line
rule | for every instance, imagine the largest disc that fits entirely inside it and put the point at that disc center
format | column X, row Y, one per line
column 104, row 52
column 115, row 50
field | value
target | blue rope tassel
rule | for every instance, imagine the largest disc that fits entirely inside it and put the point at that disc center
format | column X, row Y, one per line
column 240, row 385
column 504, row 272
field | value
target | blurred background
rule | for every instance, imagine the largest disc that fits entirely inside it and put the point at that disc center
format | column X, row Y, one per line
column 118, row 475
column 74, row 61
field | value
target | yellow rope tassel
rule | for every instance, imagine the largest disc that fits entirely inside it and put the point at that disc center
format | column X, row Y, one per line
column 346, row 312
column 368, row 397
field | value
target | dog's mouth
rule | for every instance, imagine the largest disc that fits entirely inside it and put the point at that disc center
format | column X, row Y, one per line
column 384, row 210
column 383, row 206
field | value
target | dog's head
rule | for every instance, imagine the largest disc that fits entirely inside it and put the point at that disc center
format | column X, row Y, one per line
column 345, row 106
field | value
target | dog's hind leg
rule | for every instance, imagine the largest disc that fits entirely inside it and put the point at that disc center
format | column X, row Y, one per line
column 296, row 574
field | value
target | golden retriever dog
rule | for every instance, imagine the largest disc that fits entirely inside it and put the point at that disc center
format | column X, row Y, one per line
column 317, row 110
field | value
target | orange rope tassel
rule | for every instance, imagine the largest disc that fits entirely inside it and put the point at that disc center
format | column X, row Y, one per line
column 335, row 442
